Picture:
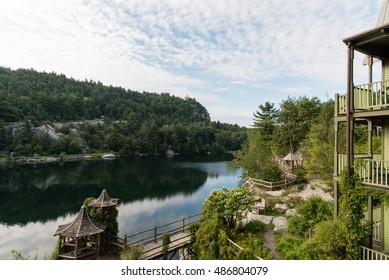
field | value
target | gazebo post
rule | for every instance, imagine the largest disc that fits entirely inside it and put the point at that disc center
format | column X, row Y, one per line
column 76, row 248
column 98, row 243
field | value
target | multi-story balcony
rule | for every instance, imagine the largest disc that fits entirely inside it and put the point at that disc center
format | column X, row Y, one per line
column 371, row 96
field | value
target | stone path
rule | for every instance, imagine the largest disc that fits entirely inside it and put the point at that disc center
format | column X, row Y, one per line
column 270, row 243
column 303, row 191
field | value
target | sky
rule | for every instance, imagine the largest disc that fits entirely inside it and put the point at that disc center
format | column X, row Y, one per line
column 230, row 55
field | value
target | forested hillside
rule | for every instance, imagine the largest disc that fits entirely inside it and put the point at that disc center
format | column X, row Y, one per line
column 129, row 122
column 52, row 97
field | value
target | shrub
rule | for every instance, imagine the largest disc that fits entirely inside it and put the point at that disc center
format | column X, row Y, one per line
column 165, row 244
column 309, row 213
column 292, row 248
column 132, row 253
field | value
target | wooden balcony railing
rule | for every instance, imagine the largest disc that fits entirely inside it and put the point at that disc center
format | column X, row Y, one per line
column 366, row 97
column 371, row 171
column 370, row 254
column 371, row 95
column 341, row 104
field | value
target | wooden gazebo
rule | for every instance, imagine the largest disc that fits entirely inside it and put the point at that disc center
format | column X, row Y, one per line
column 291, row 161
column 103, row 201
column 81, row 238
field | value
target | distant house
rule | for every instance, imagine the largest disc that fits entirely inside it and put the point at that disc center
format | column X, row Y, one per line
column 368, row 106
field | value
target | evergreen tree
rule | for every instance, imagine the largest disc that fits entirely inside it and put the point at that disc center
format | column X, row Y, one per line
column 265, row 120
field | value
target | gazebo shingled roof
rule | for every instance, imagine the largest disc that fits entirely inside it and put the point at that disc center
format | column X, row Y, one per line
column 291, row 157
column 103, row 201
column 81, row 226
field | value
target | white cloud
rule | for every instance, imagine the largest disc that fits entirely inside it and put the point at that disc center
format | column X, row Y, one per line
column 183, row 47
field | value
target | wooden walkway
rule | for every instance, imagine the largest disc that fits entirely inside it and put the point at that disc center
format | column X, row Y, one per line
column 152, row 239
column 155, row 250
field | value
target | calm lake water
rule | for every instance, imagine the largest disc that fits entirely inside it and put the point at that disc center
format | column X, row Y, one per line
column 151, row 190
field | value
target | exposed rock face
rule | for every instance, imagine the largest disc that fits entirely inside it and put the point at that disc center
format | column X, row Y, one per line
column 49, row 130
column 312, row 190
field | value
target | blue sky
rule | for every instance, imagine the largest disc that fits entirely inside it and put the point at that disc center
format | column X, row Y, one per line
column 229, row 55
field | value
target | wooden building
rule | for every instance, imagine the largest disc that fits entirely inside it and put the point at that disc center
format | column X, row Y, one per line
column 81, row 238
column 367, row 106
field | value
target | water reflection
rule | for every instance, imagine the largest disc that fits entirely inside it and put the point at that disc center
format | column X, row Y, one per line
column 48, row 191
column 34, row 201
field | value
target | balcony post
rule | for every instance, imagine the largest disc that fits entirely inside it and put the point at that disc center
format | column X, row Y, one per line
column 370, row 64
column 336, row 158
column 350, row 109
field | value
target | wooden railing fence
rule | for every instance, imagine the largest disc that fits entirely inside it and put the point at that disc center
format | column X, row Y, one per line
column 155, row 234
column 252, row 182
column 370, row 254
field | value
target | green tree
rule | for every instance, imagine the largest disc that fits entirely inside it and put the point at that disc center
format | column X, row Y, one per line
column 256, row 159
column 319, row 144
column 265, row 120
column 294, row 120
column 229, row 205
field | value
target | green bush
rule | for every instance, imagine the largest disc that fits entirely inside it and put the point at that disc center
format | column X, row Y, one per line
column 309, row 213
column 292, row 248
column 165, row 245
column 329, row 240
column 255, row 227
column 132, row 253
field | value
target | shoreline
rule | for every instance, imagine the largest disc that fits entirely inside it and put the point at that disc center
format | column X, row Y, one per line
column 7, row 162
column 19, row 161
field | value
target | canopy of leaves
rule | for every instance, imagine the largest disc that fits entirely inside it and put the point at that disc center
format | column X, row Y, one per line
column 319, row 144
column 265, row 120
column 256, row 159
column 228, row 205
column 52, row 97
column 294, row 121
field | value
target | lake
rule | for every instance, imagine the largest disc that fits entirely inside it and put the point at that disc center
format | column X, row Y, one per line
column 34, row 200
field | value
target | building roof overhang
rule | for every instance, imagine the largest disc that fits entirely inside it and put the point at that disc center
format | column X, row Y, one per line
column 373, row 42
column 81, row 226
column 104, row 200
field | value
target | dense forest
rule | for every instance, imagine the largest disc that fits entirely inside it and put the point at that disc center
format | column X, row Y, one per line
column 125, row 121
